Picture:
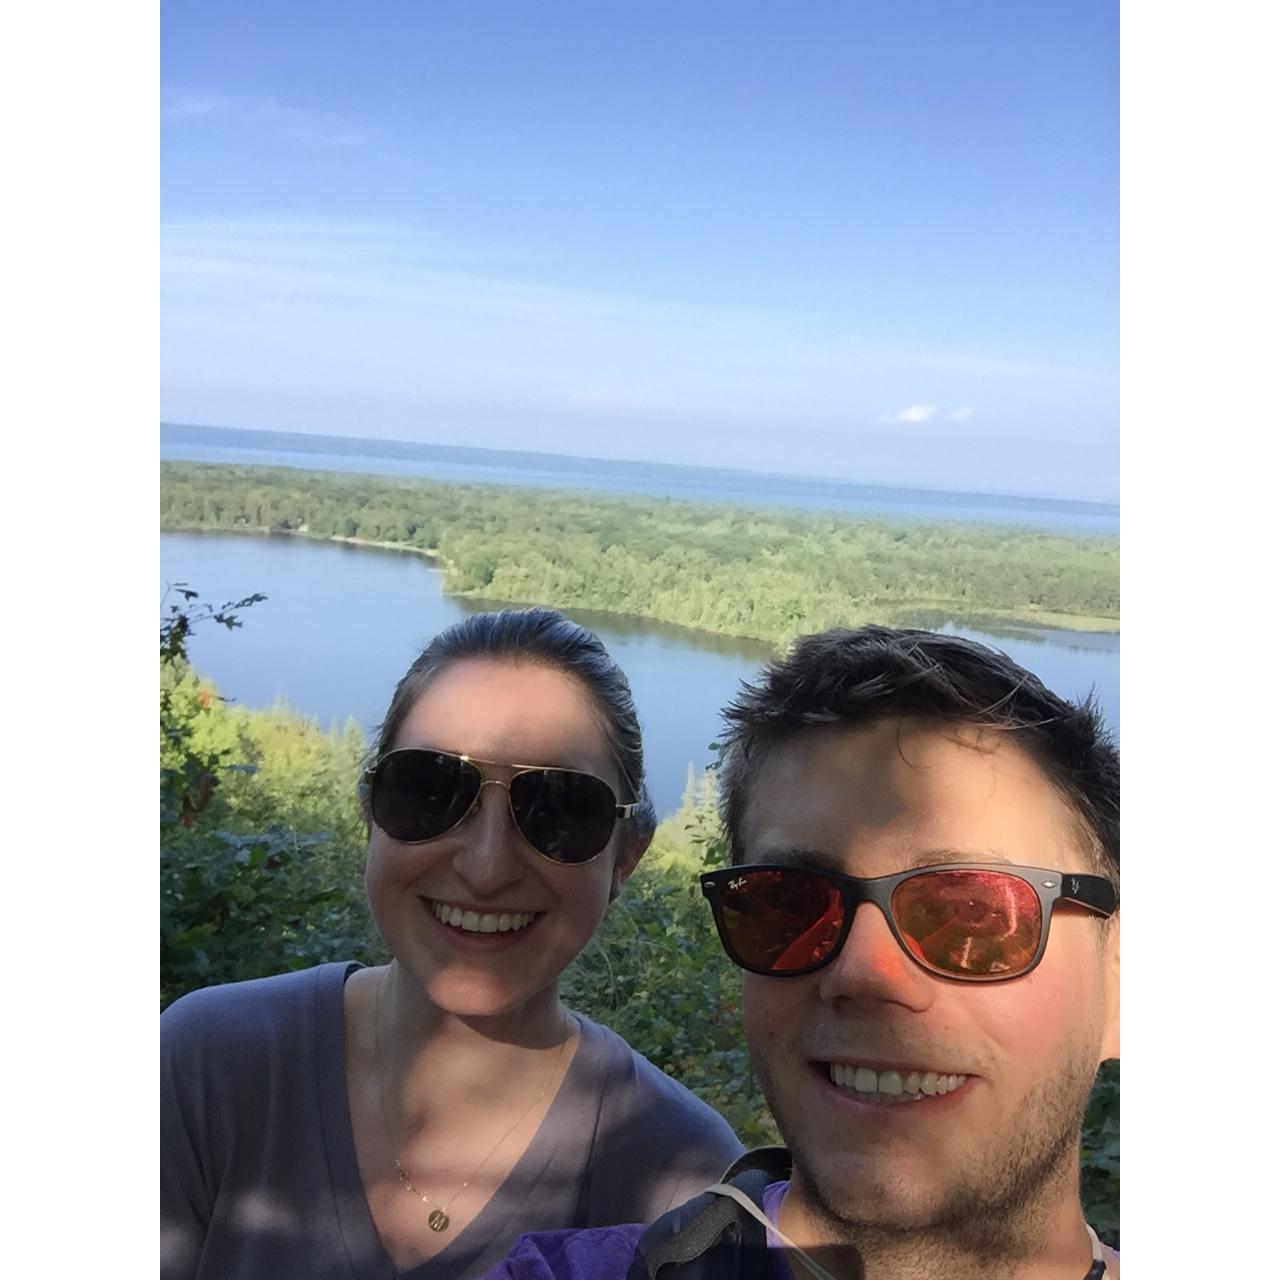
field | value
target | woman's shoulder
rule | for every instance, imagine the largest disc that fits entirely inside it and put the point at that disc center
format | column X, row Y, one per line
column 655, row 1143
column 638, row 1084
column 256, row 1011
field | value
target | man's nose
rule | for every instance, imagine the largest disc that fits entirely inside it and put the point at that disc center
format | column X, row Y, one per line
column 873, row 968
column 491, row 853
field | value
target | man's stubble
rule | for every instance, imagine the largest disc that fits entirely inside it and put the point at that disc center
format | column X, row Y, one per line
column 996, row 1205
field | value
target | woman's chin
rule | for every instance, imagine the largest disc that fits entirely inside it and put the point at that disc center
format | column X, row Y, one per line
column 466, row 992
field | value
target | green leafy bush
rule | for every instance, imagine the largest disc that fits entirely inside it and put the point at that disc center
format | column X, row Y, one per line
column 236, row 901
column 1100, row 1156
column 655, row 973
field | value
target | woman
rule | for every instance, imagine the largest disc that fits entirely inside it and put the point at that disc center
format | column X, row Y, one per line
column 414, row 1119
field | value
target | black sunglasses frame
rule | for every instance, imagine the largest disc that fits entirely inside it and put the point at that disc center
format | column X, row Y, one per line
column 1094, row 893
column 471, row 769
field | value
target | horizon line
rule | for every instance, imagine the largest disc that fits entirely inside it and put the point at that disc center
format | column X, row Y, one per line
column 692, row 467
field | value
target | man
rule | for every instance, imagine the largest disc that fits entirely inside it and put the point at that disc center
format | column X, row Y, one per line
column 925, row 848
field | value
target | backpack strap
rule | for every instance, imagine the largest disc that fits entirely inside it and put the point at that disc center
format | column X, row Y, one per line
column 711, row 1235
column 800, row 1261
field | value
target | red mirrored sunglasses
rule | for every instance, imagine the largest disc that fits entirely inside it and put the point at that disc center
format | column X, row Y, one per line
column 967, row 920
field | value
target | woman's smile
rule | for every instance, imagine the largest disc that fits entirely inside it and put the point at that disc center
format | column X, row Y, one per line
column 470, row 928
column 479, row 920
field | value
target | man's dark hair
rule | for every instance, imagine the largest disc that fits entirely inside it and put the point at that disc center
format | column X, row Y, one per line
column 851, row 679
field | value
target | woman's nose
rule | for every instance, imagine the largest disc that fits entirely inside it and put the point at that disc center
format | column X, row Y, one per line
column 872, row 966
column 490, row 853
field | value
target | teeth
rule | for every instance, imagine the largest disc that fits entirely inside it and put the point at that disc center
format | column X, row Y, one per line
column 893, row 1086
column 481, row 922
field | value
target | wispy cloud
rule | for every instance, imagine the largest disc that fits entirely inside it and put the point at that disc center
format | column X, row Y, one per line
column 959, row 415
column 379, row 262
column 404, row 309
column 911, row 413
column 289, row 123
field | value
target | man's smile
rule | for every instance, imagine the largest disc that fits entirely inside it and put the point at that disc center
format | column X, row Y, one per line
column 912, row 1084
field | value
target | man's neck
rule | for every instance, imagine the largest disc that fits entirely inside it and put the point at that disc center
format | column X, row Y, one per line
column 1051, row 1244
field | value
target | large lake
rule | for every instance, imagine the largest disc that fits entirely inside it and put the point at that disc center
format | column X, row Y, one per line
column 341, row 624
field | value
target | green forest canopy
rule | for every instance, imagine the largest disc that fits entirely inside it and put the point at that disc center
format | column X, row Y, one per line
column 766, row 575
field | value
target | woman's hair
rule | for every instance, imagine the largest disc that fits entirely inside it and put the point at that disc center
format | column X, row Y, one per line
column 547, row 638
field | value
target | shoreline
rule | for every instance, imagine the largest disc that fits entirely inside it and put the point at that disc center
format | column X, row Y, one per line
column 993, row 620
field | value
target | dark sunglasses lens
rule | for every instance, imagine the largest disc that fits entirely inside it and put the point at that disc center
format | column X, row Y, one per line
column 418, row 795
column 566, row 815
column 780, row 921
column 970, row 923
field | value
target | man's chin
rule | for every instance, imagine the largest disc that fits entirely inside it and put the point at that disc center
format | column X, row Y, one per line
column 851, row 1194
column 861, row 1201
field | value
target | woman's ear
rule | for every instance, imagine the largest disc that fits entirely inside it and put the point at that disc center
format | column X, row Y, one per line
column 630, row 850
column 362, row 792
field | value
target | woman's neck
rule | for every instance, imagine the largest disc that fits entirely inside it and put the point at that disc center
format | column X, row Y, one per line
column 443, row 1106
column 427, row 1054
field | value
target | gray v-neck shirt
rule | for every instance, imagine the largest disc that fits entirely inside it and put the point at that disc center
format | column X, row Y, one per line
column 258, row 1173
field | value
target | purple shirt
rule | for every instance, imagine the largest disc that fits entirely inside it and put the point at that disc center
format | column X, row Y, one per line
column 604, row 1253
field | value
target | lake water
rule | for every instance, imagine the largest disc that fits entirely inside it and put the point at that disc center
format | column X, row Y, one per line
column 702, row 484
column 341, row 624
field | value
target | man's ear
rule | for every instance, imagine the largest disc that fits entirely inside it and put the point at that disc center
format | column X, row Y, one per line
column 1111, row 977
column 630, row 850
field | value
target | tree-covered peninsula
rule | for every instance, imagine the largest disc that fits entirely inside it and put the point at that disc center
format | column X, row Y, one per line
column 769, row 575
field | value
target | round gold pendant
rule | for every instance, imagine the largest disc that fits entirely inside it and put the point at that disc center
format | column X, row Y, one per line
column 438, row 1220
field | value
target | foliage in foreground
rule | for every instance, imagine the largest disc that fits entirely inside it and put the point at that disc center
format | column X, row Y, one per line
column 247, row 888
column 261, row 850
column 655, row 973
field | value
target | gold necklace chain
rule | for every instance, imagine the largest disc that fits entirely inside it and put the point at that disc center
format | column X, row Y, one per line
column 438, row 1218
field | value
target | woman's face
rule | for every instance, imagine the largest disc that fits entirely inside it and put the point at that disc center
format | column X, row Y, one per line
column 512, row 714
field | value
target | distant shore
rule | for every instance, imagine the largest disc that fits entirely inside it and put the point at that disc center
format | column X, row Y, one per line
column 451, row 464
column 928, row 615
column 719, row 568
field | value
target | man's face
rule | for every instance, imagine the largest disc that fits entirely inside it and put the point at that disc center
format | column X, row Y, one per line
column 870, row 802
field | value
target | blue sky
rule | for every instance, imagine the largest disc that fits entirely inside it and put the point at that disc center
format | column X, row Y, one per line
column 877, row 241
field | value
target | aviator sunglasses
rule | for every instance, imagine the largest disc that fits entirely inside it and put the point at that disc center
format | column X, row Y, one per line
column 416, row 794
column 972, row 921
